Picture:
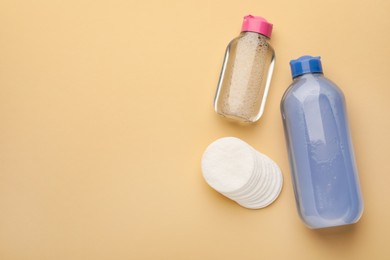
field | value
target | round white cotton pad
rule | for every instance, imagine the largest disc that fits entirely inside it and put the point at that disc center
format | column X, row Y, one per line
column 239, row 172
column 228, row 164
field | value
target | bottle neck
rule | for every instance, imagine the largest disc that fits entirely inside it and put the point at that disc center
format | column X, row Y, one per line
column 243, row 33
column 309, row 75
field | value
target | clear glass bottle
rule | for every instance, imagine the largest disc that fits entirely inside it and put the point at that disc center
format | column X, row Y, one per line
column 246, row 72
column 323, row 167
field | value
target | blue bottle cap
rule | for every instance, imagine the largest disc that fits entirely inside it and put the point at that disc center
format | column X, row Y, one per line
column 305, row 64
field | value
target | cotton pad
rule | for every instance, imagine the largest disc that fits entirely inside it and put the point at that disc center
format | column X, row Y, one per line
column 239, row 172
column 224, row 177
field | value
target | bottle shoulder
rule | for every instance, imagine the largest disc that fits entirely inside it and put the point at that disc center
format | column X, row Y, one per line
column 251, row 38
column 312, row 85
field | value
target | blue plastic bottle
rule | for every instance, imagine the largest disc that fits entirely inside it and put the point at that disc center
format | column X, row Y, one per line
column 323, row 167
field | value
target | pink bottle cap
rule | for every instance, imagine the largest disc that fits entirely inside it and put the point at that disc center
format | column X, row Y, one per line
column 257, row 24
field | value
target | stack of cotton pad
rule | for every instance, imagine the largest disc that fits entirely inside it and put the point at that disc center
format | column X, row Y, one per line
column 239, row 172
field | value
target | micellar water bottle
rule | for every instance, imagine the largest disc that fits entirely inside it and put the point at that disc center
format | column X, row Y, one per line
column 323, row 167
column 246, row 72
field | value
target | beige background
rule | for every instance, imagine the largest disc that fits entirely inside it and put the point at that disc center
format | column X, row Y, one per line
column 106, row 109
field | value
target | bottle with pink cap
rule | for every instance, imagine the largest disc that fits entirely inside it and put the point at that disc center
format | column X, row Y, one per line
column 246, row 72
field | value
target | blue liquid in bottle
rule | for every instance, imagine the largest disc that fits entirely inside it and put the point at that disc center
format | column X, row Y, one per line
column 323, row 167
